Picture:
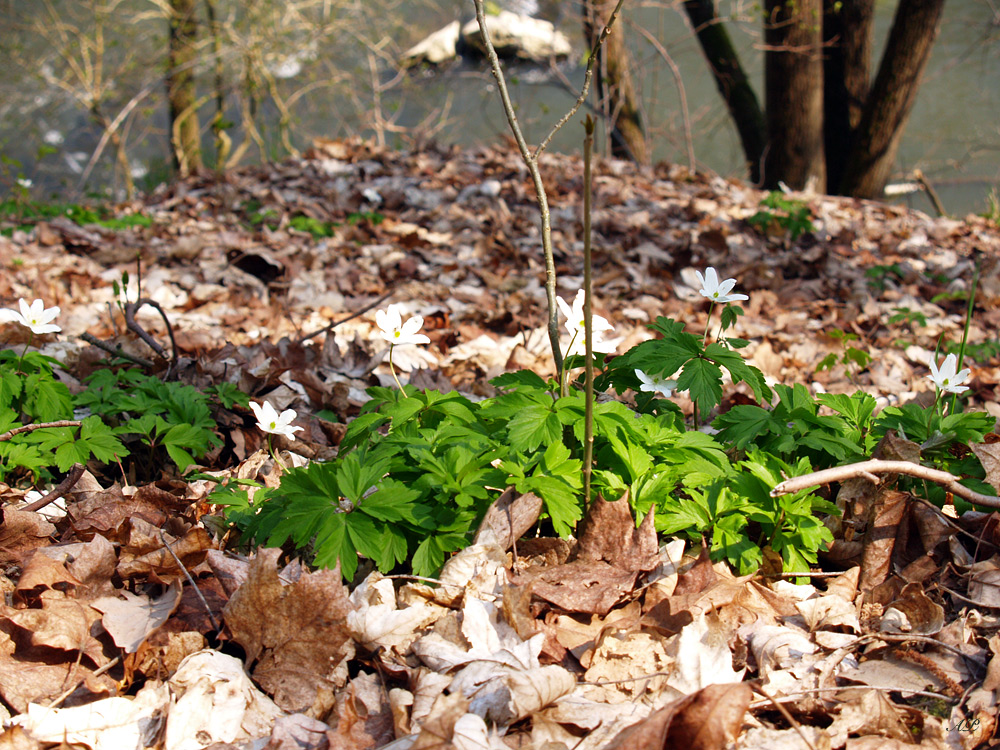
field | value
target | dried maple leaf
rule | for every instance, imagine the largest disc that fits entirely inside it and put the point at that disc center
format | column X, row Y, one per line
column 294, row 633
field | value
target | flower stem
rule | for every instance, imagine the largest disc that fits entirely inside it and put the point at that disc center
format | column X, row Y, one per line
column 393, row 371
column 270, row 449
column 708, row 324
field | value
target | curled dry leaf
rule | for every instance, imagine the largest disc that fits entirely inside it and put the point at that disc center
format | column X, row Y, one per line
column 215, row 701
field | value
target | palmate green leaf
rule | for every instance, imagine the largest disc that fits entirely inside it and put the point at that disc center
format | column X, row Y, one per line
column 703, row 380
column 743, row 425
column 856, row 408
column 533, row 425
column 11, row 386
column 561, row 502
column 658, row 358
column 14, row 455
column 521, row 378
column 46, row 400
column 96, row 440
column 358, row 472
column 394, row 501
column 333, row 546
column 739, row 370
column 362, row 429
column 430, row 553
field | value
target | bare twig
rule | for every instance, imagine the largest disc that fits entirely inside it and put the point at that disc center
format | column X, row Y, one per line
column 59, row 490
column 792, row 697
column 788, row 717
column 116, row 350
column 130, row 310
column 352, row 316
column 38, row 426
column 531, row 160
column 187, row 575
column 877, row 466
column 588, row 322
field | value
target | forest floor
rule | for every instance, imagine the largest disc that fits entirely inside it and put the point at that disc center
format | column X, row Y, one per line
column 270, row 278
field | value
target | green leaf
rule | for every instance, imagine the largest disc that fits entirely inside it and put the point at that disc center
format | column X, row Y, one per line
column 703, row 380
column 743, row 425
column 361, row 429
column 533, row 425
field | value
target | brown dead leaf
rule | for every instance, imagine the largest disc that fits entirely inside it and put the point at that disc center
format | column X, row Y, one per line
column 984, row 584
column 609, row 534
column 581, row 586
column 295, row 634
column 508, row 518
column 104, row 513
column 159, row 655
column 880, row 541
column 707, row 720
column 190, row 548
column 43, row 573
column 989, row 456
column 699, row 576
column 362, row 717
column 61, row 625
column 21, row 532
column 15, row 738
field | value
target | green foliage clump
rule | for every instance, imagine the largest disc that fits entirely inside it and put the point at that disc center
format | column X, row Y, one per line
column 31, row 393
column 157, row 414
column 779, row 214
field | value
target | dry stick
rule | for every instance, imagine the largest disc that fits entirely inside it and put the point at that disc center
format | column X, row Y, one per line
column 59, row 490
column 352, row 316
column 588, row 323
column 792, row 697
column 204, row 602
column 131, row 309
column 38, row 426
column 788, row 717
column 681, row 93
column 531, row 160
column 869, row 469
column 116, row 350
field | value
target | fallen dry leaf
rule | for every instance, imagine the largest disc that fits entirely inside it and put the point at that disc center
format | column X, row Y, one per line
column 295, row 633
column 130, row 619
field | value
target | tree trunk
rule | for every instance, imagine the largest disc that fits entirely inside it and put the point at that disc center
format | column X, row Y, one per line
column 615, row 88
column 181, row 87
column 731, row 80
column 914, row 29
column 847, row 43
column 793, row 76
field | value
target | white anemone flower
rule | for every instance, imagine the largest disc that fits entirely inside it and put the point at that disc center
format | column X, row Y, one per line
column 273, row 423
column 947, row 379
column 576, row 323
column 395, row 331
column 715, row 290
column 34, row 316
column 663, row 386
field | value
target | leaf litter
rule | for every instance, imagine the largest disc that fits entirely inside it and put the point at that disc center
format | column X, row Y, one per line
column 128, row 624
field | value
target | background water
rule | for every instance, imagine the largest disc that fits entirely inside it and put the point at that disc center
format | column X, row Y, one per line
column 953, row 135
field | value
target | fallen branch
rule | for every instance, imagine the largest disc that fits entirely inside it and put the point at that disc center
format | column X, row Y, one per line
column 60, row 489
column 869, row 469
column 38, row 426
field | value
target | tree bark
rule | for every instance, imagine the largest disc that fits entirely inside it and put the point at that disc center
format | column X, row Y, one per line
column 793, row 77
column 847, row 42
column 914, row 29
column 181, row 87
column 615, row 89
column 731, row 80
